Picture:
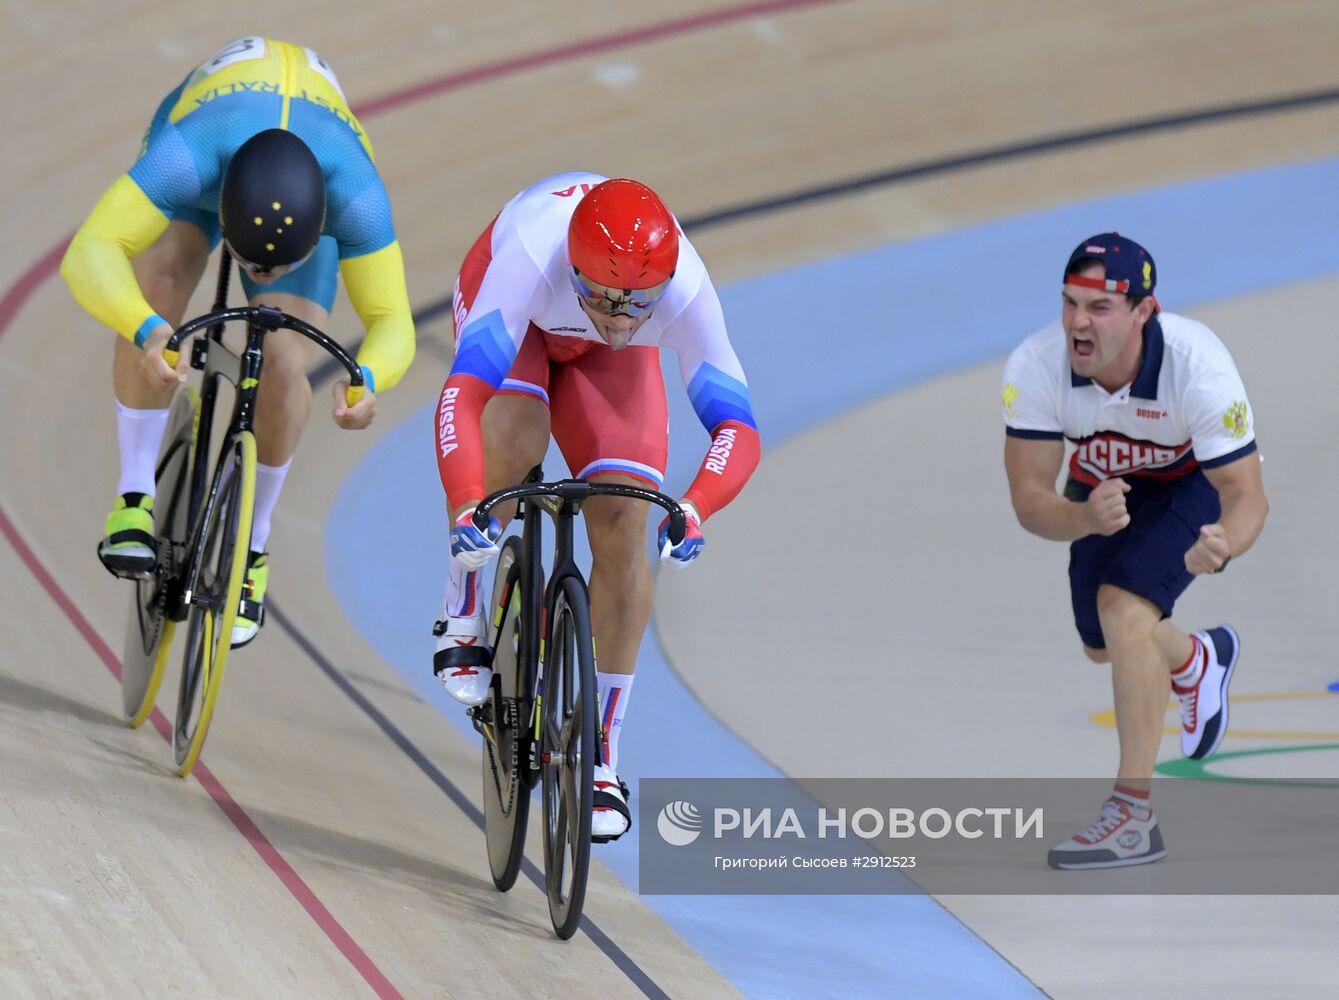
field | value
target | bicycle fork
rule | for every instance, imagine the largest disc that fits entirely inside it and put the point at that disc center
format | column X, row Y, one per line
column 538, row 759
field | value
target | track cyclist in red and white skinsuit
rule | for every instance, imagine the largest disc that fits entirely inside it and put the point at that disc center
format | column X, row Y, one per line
column 561, row 308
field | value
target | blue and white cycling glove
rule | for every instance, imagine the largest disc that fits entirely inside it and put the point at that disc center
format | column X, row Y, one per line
column 679, row 556
column 471, row 547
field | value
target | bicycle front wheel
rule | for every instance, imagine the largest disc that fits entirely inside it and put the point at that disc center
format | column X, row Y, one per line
column 223, row 543
column 506, row 743
column 567, row 752
column 149, row 628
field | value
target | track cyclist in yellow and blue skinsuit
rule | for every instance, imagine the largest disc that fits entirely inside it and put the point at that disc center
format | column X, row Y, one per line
column 220, row 159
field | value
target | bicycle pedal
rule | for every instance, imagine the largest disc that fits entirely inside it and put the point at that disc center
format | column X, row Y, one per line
column 144, row 573
column 478, row 718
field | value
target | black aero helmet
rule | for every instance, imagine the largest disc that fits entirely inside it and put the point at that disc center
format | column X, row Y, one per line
column 272, row 202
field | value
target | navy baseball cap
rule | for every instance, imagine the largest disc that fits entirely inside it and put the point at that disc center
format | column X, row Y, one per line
column 1129, row 267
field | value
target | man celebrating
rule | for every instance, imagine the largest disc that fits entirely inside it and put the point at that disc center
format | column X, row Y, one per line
column 1164, row 485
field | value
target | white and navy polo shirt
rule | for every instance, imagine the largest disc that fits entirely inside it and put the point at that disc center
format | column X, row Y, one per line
column 1185, row 409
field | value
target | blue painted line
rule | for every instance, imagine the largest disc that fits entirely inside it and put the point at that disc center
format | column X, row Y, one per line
column 944, row 303
column 390, row 513
column 947, row 302
column 1025, row 149
column 636, row 975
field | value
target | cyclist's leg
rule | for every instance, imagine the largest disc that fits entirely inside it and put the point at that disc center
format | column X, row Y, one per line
column 284, row 399
column 620, row 577
column 167, row 273
column 610, row 419
column 284, row 396
column 516, row 421
column 283, row 405
column 515, row 424
column 515, row 434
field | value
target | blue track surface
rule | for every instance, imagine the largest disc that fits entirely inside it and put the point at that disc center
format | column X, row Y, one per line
column 816, row 342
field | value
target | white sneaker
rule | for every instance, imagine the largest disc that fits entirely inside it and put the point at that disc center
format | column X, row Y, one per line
column 462, row 658
column 1204, row 706
column 1117, row 838
column 611, row 818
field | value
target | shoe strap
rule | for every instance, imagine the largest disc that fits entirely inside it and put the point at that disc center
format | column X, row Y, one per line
column 448, row 659
column 136, row 535
column 442, row 627
column 608, row 800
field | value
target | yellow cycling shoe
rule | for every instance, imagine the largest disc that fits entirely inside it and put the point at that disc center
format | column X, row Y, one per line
column 251, row 612
column 129, row 549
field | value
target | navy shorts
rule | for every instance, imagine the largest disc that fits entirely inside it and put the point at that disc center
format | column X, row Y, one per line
column 1148, row 556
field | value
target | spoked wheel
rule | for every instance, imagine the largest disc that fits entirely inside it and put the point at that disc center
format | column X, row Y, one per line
column 504, row 721
column 149, row 627
column 218, row 591
column 568, row 754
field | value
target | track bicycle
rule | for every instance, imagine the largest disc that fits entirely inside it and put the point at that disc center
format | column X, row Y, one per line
column 540, row 723
column 202, row 520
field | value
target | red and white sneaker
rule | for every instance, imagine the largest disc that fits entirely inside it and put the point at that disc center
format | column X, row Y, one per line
column 462, row 658
column 1204, row 706
column 611, row 818
column 1117, row 838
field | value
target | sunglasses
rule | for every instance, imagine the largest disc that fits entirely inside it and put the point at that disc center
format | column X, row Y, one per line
column 266, row 270
column 634, row 302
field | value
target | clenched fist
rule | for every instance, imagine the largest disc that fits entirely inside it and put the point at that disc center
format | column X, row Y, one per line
column 1210, row 551
column 1105, row 506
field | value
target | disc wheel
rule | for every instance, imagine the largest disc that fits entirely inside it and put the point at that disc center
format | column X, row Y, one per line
column 506, row 743
column 149, row 627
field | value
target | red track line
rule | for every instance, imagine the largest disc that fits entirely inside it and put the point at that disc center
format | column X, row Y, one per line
column 245, row 825
column 22, row 290
column 575, row 50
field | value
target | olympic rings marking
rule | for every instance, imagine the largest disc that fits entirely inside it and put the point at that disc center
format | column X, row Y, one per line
column 1107, row 718
column 1198, row 770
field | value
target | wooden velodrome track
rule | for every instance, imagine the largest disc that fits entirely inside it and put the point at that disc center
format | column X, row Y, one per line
column 313, row 856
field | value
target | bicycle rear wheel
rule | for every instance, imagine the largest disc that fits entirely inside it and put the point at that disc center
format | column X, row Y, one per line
column 568, row 753
column 218, row 591
column 506, row 739
column 149, row 627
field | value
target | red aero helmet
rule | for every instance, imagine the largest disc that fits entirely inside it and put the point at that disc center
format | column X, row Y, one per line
column 623, row 236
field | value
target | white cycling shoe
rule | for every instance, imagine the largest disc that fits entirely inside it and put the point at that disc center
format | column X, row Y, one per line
column 611, row 818
column 461, row 660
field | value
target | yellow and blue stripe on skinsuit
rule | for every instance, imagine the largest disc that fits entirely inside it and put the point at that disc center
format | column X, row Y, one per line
column 251, row 85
